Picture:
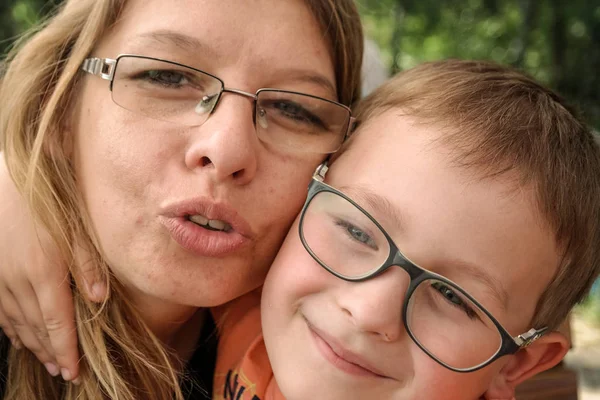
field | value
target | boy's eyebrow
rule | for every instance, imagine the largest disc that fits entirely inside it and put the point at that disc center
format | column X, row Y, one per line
column 382, row 206
column 379, row 204
column 496, row 289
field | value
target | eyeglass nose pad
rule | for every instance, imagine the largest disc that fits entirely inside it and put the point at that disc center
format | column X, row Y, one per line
column 206, row 104
column 262, row 118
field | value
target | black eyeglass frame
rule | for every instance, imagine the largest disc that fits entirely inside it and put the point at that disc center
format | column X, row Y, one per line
column 509, row 344
column 105, row 68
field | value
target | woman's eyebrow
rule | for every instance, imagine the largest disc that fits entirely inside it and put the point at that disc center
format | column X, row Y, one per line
column 308, row 76
column 184, row 42
column 193, row 45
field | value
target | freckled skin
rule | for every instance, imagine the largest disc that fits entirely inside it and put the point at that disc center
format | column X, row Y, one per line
column 130, row 167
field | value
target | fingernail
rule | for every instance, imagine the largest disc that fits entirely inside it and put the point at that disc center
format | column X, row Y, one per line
column 52, row 369
column 76, row 381
column 98, row 291
column 16, row 344
column 66, row 374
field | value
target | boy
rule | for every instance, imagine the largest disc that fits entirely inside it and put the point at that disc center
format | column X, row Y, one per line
column 455, row 231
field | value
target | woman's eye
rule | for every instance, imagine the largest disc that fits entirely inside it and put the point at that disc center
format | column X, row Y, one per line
column 167, row 78
column 298, row 113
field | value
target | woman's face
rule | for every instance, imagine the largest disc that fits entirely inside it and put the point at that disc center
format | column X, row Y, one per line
column 141, row 177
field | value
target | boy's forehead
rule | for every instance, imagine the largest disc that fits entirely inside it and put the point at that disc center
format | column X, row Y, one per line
column 386, row 134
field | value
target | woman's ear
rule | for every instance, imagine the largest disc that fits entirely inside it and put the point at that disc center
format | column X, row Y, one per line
column 540, row 356
column 65, row 128
column 59, row 140
column 67, row 131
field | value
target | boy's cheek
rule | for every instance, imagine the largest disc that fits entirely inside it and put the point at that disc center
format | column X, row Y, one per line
column 441, row 383
column 294, row 274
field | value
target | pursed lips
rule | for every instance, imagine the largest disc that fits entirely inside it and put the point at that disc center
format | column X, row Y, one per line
column 207, row 228
column 204, row 211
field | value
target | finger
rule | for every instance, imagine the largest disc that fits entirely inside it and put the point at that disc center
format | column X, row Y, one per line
column 8, row 329
column 10, row 332
column 94, row 286
column 23, row 328
column 29, row 307
column 58, row 314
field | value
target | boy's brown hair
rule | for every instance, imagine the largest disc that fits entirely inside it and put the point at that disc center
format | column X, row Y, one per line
column 498, row 120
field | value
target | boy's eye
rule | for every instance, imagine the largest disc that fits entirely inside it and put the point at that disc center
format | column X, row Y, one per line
column 357, row 234
column 447, row 293
column 452, row 296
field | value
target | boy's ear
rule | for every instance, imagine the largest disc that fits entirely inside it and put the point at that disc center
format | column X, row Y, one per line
column 541, row 355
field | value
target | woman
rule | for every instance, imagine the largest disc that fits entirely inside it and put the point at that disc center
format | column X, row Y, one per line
column 106, row 131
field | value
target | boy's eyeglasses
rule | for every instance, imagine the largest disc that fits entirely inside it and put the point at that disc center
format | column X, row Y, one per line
column 441, row 318
column 173, row 92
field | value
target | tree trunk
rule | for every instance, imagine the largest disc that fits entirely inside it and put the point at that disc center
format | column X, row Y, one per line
column 558, row 44
column 399, row 12
column 528, row 11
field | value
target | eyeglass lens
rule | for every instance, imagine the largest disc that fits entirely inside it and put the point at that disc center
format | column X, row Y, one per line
column 170, row 92
column 439, row 316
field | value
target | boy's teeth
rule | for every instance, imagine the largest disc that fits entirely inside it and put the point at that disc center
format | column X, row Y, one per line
column 215, row 224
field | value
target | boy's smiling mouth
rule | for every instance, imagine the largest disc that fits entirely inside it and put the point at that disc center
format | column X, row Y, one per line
column 342, row 358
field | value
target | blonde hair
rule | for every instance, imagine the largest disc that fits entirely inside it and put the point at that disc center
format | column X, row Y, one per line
column 122, row 357
column 498, row 120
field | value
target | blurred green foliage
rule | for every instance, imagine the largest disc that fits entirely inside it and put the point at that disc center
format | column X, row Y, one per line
column 590, row 309
column 17, row 16
column 555, row 41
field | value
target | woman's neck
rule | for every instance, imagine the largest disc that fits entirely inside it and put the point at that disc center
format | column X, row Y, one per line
column 185, row 340
column 178, row 327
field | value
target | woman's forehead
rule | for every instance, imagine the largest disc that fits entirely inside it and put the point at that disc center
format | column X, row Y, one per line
column 265, row 42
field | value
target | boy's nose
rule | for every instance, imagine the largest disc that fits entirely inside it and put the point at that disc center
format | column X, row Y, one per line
column 226, row 143
column 375, row 306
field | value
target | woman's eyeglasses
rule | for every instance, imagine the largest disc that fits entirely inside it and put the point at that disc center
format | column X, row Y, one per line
column 174, row 92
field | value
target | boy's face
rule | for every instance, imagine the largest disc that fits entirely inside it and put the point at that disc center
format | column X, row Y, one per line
column 328, row 338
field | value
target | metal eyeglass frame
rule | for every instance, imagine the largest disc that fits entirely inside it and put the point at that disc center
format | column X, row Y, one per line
column 509, row 344
column 105, row 68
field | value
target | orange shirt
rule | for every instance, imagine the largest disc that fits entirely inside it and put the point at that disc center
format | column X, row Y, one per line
column 243, row 371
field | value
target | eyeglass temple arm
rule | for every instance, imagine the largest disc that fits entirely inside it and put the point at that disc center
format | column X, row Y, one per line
column 529, row 337
column 351, row 126
column 102, row 67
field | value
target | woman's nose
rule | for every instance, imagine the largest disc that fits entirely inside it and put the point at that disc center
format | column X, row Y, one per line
column 375, row 306
column 226, row 143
